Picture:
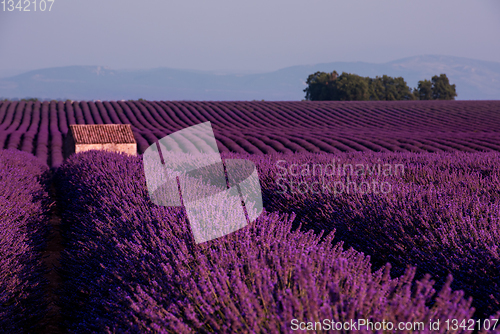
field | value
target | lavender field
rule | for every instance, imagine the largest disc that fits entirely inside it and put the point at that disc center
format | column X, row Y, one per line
column 381, row 211
column 129, row 259
column 265, row 127
column 24, row 208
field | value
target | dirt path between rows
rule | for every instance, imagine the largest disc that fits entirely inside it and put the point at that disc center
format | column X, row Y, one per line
column 51, row 257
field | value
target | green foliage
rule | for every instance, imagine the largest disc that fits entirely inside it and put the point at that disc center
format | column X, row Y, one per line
column 352, row 87
column 438, row 88
column 441, row 88
column 332, row 87
column 321, row 86
column 424, row 90
column 387, row 88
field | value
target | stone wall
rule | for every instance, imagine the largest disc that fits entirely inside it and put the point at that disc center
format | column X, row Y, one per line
column 130, row 149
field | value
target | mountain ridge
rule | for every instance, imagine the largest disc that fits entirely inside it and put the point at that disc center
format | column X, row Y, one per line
column 475, row 80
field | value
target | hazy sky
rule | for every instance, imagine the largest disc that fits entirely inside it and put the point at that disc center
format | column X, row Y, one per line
column 252, row 35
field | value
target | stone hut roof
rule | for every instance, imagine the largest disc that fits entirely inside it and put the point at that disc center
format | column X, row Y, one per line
column 102, row 133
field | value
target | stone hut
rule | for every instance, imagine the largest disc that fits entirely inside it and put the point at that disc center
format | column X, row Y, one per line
column 108, row 137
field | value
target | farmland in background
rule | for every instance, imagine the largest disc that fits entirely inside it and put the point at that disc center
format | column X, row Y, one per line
column 265, row 127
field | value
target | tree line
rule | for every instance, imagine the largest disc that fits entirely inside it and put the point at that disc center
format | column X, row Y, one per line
column 323, row 86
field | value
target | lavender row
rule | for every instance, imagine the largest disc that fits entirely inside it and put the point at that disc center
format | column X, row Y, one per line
column 264, row 127
column 130, row 266
column 24, row 210
column 438, row 212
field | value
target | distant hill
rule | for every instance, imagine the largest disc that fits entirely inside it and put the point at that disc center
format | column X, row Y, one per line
column 475, row 80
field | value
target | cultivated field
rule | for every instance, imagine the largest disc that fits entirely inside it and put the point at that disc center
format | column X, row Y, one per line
column 388, row 212
column 266, row 127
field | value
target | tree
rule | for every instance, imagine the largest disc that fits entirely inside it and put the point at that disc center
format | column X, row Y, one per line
column 441, row 88
column 377, row 89
column 403, row 91
column 321, row 86
column 387, row 88
column 351, row 87
column 438, row 88
column 424, row 90
column 332, row 87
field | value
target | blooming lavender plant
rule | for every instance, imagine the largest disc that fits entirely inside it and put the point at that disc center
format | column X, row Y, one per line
column 130, row 266
column 24, row 208
column 441, row 214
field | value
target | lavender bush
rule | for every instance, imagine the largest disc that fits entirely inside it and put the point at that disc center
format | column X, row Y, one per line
column 441, row 215
column 130, row 266
column 24, row 208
